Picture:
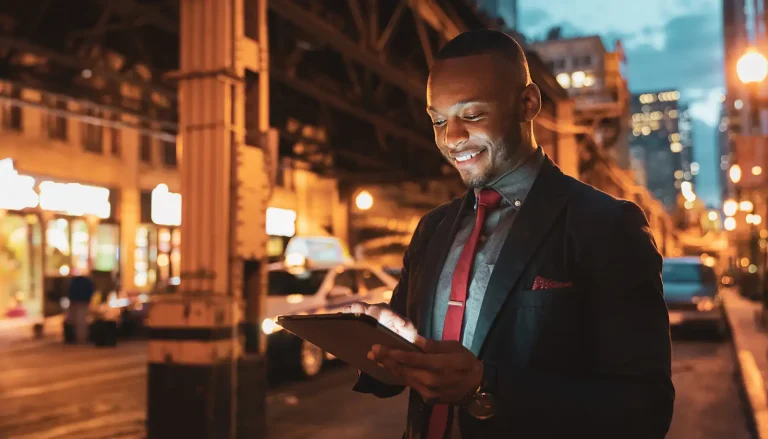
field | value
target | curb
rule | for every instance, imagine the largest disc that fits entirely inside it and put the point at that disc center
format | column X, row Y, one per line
column 751, row 380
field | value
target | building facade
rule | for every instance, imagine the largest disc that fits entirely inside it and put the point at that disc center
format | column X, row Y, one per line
column 655, row 130
column 88, row 192
column 593, row 77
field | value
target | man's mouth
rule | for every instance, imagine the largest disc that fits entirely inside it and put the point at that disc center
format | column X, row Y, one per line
column 465, row 158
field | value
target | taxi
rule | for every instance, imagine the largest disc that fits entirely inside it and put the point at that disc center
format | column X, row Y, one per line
column 316, row 277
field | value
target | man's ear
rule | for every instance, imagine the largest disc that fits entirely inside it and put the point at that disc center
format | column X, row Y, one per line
column 530, row 102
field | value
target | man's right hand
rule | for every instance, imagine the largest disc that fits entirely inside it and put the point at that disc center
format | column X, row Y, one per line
column 384, row 315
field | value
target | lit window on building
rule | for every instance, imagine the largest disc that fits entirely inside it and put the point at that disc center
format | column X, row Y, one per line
column 688, row 175
column 674, row 137
column 589, row 80
column 654, row 125
column 695, row 168
column 646, row 130
column 676, row 147
column 564, row 80
column 672, row 114
column 577, row 79
column 678, row 174
column 738, row 104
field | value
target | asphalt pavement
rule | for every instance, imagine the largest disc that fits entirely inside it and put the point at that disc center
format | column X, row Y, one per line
column 49, row 390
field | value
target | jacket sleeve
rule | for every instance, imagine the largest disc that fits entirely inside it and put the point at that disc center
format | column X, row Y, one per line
column 630, row 393
column 366, row 383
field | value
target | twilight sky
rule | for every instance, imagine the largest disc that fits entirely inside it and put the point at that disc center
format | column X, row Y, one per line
column 669, row 44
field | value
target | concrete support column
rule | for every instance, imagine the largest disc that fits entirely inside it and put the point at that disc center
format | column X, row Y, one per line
column 200, row 383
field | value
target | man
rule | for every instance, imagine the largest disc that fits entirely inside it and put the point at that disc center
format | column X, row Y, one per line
column 547, row 318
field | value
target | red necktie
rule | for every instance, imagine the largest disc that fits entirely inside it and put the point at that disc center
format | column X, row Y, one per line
column 487, row 200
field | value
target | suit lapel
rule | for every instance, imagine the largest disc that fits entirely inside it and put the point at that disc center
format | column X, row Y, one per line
column 535, row 218
column 436, row 254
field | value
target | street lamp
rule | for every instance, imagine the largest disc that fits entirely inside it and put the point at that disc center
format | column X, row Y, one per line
column 752, row 67
column 730, row 207
column 730, row 224
column 364, row 200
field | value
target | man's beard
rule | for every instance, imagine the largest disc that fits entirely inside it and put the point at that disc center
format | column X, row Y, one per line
column 477, row 181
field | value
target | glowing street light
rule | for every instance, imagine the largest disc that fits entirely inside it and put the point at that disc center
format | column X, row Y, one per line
column 730, row 223
column 364, row 200
column 752, row 67
column 746, row 206
column 730, row 207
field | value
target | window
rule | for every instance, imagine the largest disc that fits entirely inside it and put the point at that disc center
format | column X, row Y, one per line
column 586, row 61
column 169, row 154
column 55, row 122
column 93, row 134
column 11, row 112
column 371, row 281
column 145, row 148
column 560, row 64
column 347, row 279
column 285, row 283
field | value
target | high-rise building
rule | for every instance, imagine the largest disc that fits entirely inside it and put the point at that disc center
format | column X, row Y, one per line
column 593, row 77
column 655, row 129
column 685, row 125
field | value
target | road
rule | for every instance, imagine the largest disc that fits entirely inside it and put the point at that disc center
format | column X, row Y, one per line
column 48, row 390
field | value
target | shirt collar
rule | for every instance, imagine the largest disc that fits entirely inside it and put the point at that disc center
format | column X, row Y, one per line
column 515, row 184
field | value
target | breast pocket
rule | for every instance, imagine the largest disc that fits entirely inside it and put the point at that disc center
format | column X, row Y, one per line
column 550, row 297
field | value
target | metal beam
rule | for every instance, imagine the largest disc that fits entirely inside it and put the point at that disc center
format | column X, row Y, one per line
column 80, row 64
column 326, row 33
column 383, row 40
column 417, row 139
column 357, row 15
column 426, row 46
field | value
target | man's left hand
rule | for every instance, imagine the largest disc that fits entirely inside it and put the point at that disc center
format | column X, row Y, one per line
column 445, row 373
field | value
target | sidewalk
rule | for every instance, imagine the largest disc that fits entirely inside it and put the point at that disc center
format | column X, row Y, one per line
column 18, row 333
column 751, row 347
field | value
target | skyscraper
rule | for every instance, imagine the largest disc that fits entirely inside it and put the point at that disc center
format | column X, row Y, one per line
column 655, row 129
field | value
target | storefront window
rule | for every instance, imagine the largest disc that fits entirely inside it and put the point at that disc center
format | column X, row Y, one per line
column 15, row 266
column 141, row 258
column 57, row 248
column 79, row 247
column 105, row 248
column 175, row 257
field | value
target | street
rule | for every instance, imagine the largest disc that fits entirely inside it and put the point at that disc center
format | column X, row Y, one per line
column 49, row 390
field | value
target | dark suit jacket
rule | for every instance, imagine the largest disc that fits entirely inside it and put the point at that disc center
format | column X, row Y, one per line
column 591, row 360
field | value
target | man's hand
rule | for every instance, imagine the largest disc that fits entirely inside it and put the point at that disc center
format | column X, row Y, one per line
column 446, row 373
column 384, row 315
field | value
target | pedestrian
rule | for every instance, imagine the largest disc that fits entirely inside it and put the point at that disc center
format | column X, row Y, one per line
column 80, row 294
column 537, row 298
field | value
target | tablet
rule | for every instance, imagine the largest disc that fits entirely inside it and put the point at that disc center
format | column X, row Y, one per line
column 349, row 337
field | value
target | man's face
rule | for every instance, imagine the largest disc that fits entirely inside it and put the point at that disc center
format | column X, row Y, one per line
column 472, row 103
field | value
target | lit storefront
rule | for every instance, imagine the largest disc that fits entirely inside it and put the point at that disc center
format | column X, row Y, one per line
column 51, row 230
column 281, row 226
column 157, row 258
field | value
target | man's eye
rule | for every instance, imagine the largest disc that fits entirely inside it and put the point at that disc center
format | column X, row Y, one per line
column 438, row 123
column 473, row 116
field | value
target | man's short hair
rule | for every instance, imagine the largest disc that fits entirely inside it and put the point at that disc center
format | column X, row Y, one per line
column 482, row 42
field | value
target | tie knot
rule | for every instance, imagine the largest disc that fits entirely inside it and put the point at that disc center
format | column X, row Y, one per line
column 489, row 198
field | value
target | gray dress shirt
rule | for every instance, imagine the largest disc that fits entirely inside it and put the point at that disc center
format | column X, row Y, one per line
column 513, row 187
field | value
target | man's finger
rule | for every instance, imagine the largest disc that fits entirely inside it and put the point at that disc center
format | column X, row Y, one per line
column 431, row 362
column 441, row 346
column 355, row 308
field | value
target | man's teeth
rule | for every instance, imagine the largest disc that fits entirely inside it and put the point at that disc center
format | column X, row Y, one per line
column 466, row 157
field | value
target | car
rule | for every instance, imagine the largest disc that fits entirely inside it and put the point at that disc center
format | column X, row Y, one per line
column 692, row 294
column 312, row 288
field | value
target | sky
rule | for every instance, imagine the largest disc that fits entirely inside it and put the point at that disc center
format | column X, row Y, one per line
column 669, row 44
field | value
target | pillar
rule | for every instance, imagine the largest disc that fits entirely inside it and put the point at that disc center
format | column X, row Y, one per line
column 201, row 382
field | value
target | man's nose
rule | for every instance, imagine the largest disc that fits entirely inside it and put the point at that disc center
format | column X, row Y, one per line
column 455, row 134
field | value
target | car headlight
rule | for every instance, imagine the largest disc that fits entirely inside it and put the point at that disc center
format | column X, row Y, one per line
column 268, row 326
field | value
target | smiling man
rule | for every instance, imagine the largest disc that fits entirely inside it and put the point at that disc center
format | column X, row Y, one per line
column 537, row 299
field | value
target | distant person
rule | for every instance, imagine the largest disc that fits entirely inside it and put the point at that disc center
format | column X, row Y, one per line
column 537, row 298
column 80, row 294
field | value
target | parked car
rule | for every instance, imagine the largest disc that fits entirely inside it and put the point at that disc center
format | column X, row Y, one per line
column 692, row 293
column 315, row 289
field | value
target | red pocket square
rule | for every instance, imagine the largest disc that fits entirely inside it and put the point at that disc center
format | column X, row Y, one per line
column 541, row 283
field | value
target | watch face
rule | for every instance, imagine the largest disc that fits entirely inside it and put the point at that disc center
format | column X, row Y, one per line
column 482, row 406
